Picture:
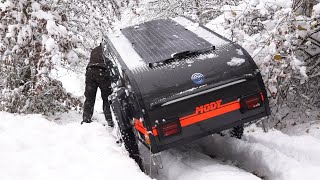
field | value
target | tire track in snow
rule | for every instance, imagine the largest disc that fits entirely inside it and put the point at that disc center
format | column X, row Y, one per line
column 190, row 163
column 258, row 158
column 179, row 164
column 305, row 149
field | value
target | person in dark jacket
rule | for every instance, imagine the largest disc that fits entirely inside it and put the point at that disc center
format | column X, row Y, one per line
column 98, row 74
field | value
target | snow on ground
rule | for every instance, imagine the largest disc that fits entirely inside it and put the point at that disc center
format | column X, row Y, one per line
column 303, row 124
column 186, row 164
column 34, row 148
column 273, row 155
column 311, row 128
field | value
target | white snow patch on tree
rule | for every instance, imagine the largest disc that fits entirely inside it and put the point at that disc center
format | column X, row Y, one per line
column 50, row 45
column 281, row 3
column 24, row 35
column 56, row 59
column 316, row 9
column 72, row 57
column 36, row 6
column 42, row 15
column 52, row 28
column 296, row 64
column 4, row 5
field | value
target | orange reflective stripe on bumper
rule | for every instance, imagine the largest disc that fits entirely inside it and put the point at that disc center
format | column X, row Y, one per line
column 194, row 118
column 188, row 120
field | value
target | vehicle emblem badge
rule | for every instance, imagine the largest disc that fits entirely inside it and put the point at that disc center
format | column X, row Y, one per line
column 197, row 78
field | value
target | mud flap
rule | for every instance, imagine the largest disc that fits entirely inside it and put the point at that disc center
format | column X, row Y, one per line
column 157, row 161
column 264, row 122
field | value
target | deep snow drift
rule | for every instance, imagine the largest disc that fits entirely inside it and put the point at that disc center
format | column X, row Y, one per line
column 33, row 148
column 271, row 155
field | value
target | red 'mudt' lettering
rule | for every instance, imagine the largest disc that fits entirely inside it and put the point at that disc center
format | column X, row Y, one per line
column 199, row 110
column 208, row 107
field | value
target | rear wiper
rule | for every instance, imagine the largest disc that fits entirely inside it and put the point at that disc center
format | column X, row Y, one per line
column 182, row 54
column 188, row 52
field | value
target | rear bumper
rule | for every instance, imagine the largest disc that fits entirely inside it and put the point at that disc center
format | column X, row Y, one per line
column 198, row 131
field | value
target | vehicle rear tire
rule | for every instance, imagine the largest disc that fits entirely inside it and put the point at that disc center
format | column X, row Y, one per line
column 130, row 143
column 237, row 131
column 126, row 134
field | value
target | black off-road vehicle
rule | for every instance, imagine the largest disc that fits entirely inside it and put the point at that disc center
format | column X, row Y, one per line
column 177, row 81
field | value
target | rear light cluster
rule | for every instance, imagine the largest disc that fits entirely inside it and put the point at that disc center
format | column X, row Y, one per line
column 170, row 128
column 251, row 102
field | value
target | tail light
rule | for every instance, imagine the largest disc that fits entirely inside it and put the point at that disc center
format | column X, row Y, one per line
column 170, row 128
column 251, row 102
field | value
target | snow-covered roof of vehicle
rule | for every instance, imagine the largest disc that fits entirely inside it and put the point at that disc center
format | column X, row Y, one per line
column 160, row 40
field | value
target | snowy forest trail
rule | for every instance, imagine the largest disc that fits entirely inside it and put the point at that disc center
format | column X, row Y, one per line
column 271, row 155
column 34, row 147
column 188, row 163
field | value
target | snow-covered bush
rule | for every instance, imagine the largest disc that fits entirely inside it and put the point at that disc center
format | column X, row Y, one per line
column 304, row 7
column 37, row 36
column 90, row 19
column 200, row 10
column 34, row 37
column 284, row 44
